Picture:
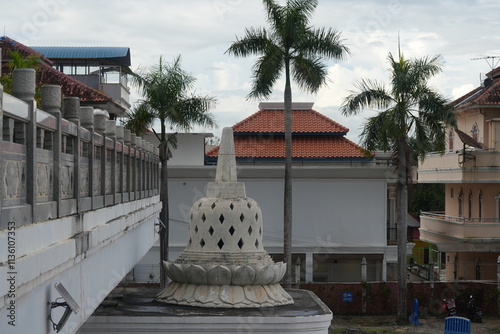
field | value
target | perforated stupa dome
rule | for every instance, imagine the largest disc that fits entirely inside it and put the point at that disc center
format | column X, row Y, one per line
column 224, row 263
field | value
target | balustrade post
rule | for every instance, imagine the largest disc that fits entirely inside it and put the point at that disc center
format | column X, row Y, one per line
column 127, row 176
column 145, row 164
column 87, row 121
column 150, row 169
column 23, row 87
column 133, row 162
column 71, row 106
column 120, row 156
column 111, row 133
column 140, row 169
column 100, row 118
column 51, row 102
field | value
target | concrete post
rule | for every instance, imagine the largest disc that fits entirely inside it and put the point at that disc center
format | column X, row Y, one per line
column 363, row 269
column 111, row 133
column 133, row 168
column 23, row 82
column 87, row 117
column 309, row 266
column 51, row 103
column 100, row 118
column 431, row 278
column 87, row 122
column 128, row 162
column 71, row 107
column 363, row 280
column 121, row 159
column 140, row 170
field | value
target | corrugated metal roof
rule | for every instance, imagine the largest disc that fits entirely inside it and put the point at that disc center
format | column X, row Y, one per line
column 119, row 54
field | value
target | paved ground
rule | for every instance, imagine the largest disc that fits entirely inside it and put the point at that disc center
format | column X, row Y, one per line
column 386, row 324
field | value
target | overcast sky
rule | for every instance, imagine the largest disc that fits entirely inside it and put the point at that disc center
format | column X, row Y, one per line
column 202, row 30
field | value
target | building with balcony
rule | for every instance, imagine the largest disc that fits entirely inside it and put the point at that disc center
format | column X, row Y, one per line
column 103, row 68
column 467, row 234
column 101, row 86
column 343, row 197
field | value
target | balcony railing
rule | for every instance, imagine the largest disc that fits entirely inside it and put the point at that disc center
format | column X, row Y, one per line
column 460, row 227
column 59, row 163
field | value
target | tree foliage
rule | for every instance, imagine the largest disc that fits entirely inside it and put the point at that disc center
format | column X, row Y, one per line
column 411, row 119
column 293, row 48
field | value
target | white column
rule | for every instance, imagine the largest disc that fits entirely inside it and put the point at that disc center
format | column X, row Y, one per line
column 309, row 267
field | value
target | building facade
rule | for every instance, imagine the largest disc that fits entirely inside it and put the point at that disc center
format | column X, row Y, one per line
column 343, row 197
column 467, row 234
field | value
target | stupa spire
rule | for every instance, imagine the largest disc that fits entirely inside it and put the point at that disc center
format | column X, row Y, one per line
column 224, row 263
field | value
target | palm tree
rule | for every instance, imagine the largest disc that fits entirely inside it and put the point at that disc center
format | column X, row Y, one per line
column 291, row 46
column 140, row 119
column 166, row 90
column 412, row 119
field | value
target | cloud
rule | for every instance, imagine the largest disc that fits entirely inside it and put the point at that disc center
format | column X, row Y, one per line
column 201, row 31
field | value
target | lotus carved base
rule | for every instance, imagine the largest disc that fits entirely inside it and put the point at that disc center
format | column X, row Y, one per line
column 225, row 296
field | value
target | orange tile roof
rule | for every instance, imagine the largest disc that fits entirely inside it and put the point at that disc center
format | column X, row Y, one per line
column 314, row 137
column 303, row 121
column 481, row 96
column 303, row 147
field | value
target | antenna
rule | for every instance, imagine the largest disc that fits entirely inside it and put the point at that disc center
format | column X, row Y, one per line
column 491, row 60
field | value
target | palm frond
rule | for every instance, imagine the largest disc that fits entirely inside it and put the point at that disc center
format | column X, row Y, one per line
column 254, row 42
column 368, row 94
column 266, row 71
column 325, row 42
column 140, row 119
column 309, row 74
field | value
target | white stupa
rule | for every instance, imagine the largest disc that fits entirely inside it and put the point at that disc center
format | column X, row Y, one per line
column 224, row 264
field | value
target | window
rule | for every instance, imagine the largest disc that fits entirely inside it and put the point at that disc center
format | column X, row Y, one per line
column 475, row 131
column 470, row 204
column 461, row 203
column 480, row 205
column 478, row 269
column 452, row 192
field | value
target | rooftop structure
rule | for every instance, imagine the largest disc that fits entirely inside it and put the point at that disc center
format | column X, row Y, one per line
column 260, row 137
column 90, row 92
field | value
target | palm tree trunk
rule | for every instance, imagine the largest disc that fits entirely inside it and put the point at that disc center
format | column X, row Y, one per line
column 164, row 223
column 287, row 215
column 402, row 210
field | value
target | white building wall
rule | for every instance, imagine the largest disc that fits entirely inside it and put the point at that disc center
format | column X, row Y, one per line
column 118, row 237
column 190, row 149
column 343, row 211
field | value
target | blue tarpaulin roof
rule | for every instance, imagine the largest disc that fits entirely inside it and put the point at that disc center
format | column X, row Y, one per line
column 120, row 55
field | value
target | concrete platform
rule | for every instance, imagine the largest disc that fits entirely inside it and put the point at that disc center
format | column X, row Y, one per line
column 134, row 310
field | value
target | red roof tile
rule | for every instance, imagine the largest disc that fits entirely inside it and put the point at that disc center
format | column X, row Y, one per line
column 303, row 147
column 314, row 136
column 303, row 121
column 481, row 96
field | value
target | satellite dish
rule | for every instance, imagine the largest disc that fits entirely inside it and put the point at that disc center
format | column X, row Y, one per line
column 468, row 140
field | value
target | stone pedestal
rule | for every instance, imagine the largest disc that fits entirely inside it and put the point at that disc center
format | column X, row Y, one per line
column 133, row 310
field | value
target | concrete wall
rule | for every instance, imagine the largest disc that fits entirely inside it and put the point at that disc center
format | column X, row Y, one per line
column 190, row 149
column 78, row 205
column 336, row 210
